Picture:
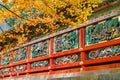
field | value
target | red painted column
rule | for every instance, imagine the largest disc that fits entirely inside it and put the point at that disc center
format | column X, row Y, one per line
column 83, row 57
column 28, row 59
column 82, row 45
column 50, row 53
column 82, row 38
column 12, row 70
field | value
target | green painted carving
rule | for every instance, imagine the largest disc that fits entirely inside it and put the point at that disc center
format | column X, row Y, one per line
column 67, row 59
column 6, row 58
column 104, row 52
column 39, row 64
column 102, row 31
column 20, row 54
column 66, row 41
column 40, row 49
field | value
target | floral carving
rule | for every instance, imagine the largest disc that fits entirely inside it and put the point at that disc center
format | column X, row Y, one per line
column 20, row 54
column 66, row 41
column 103, row 31
column 5, row 70
column 104, row 52
column 20, row 67
column 39, row 64
column 6, row 58
column 67, row 59
column 40, row 49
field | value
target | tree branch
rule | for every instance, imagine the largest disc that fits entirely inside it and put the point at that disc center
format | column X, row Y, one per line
column 13, row 12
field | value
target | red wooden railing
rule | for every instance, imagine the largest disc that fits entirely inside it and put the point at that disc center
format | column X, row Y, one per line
column 82, row 65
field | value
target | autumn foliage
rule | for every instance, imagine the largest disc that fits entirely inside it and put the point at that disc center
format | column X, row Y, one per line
column 28, row 17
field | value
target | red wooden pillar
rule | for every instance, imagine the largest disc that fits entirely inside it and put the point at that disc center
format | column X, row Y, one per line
column 28, row 59
column 50, row 53
column 12, row 70
column 82, row 45
column 83, row 57
column 82, row 38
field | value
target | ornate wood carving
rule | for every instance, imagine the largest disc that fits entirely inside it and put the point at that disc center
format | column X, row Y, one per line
column 104, row 31
column 66, row 41
column 67, row 59
column 20, row 67
column 39, row 64
column 104, row 52
column 6, row 58
column 20, row 54
column 5, row 70
column 40, row 49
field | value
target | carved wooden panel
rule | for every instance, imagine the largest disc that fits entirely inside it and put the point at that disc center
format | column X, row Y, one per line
column 40, row 49
column 39, row 64
column 66, row 41
column 104, row 52
column 67, row 59
column 20, row 67
column 5, row 70
column 104, row 31
column 6, row 58
column 20, row 54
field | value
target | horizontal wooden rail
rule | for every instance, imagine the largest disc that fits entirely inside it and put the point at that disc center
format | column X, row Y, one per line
column 39, row 69
column 102, row 44
column 39, row 58
column 68, row 52
column 102, row 60
column 70, row 65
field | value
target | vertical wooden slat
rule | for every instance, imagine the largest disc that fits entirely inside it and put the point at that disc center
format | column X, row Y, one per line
column 28, row 58
column 82, row 38
column 82, row 45
column 50, row 53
